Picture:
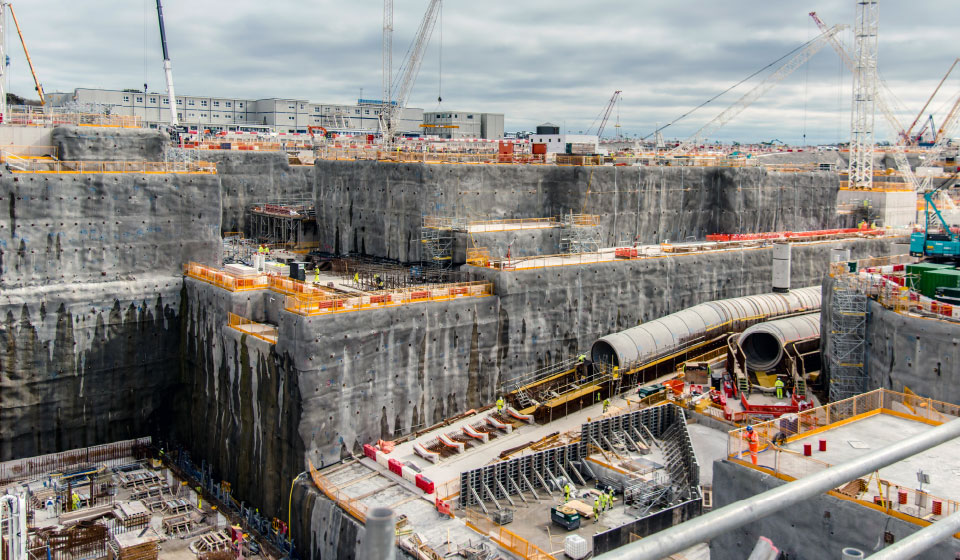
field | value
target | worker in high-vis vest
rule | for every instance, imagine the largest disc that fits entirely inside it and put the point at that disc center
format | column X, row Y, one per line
column 567, row 488
column 499, row 405
column 610, row 497
column 316, row 274
column 753, row 440
column 581, row 358
column 606, row 405
column 779, row 386
column 356, row 278
column 596, row 509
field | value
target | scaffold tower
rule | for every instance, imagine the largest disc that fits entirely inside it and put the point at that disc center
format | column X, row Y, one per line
column 848, row 323
column 864, row 95
column 436, row 243
column 580, row 234
column 280, row 221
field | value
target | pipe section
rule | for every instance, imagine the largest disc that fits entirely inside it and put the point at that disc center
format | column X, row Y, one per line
column 655, row 338
column 763, row 344
column 781, row 267
column 380, row 534
column 728, row 518
column 922, row 540
column 13, row 515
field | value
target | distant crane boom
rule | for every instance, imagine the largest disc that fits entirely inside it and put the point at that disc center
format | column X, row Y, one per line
column 812, row 48
column 387, row 54
column 36, row 81
column 932, row 95
column 412, row 68
column 167, row 68
column 606, row 114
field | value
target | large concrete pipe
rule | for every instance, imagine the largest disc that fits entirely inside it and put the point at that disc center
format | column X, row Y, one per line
column 763, row 344
column 728, row 518
column 379, row 538
column 655, row 338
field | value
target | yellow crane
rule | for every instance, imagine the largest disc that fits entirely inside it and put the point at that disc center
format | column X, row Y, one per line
column 26, row 52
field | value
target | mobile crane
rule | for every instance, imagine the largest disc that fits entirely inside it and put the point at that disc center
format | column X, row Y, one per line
column 937, row 245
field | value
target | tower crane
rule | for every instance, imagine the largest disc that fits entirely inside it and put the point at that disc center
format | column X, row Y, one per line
column 812, row 48
column 899, row 155
column 606, row 114
column 36, row 80
column 399, row 91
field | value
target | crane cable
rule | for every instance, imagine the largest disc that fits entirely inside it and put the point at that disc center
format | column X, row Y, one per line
column 691, row 111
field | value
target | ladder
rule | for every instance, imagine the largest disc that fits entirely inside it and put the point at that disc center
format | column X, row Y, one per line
column 523, row 399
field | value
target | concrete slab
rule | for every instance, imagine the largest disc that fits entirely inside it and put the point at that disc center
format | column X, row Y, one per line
column 709, row 445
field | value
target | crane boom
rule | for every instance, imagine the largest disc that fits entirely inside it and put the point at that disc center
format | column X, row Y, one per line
column 932, row 95
column 606, row 113
column 412, row 68
column 812, row 48
column 167, row 68
column 36, row 80
column 387, row 54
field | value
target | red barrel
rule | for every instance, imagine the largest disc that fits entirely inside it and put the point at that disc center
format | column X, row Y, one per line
column 807, row 450
column 902, row 496
column 823, row 445
column 937, row 507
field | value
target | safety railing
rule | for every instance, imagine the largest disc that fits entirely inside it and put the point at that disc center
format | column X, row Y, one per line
column 288, row 286
column 480, row 226
column 33, row 165
column 880, row 186
column 267, row 333
column 310, row 305
column 26, row 152
column 46, row 116
column 816, row 420
column 352, row 506
column 224, row 279
column 506, row 538
column 478, row 256
column 22, row 469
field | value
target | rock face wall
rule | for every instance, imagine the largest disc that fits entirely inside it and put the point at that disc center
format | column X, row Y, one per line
column 813, row 529
column 918, row 353
column 376, row 208
column 90, row 279
column 550, row 313
column 250, row 177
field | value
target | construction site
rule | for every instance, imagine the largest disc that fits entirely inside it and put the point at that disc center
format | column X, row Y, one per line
column 393, row 345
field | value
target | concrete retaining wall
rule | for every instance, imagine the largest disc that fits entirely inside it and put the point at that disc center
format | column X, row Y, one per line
column 811, row 530
column 376, row 208
column 88, row 143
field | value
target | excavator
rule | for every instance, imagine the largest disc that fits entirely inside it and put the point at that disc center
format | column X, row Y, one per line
column 938, row 245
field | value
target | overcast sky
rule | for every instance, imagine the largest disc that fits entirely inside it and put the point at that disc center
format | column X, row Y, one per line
column 534, row 60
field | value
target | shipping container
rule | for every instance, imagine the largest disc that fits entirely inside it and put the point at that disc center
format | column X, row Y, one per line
column 914, row 273
column 933, row 279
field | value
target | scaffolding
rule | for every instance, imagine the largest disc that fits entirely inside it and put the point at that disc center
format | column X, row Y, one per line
column 436, row 243
column 580, row 234
column 280, row 222
column 848, row 324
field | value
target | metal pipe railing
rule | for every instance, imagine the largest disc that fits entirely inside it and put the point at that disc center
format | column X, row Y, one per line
column 920, row 541
column 728, row 518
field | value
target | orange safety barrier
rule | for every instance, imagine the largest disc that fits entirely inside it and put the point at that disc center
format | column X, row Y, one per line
column 267, row 333
column 319, row 304
column 352, row 506
column 224, row 279
column 506, row 538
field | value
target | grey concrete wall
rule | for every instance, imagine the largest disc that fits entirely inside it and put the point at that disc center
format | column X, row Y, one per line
column 550, row 313
column 922, row 354
column 70, row 228
column 87, row 143
column 813, row 529
column 250, row 177
column 520, row 242
column 84, row 364
column 376, row 208
column 321, row 529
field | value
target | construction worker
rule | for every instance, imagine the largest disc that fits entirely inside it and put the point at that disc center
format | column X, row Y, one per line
column 74, row 501
column 581, row 358
column 754, row 442
column 606, row 405
column 500, row 405
column 567, row 488
column 199, row 498
column 596, row 509
column 616, row 372
column 779, row 386
column 316, row 274
column 610, row 496
column 356, row 278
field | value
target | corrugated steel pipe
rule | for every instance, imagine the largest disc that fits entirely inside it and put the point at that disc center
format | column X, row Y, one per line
column 762, row 344
column 728, row 518
column 655, row 338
